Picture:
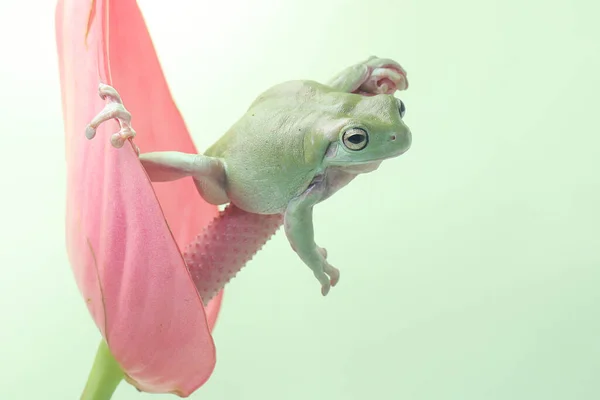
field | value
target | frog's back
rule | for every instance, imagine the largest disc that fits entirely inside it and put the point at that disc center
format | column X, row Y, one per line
column 264, row 151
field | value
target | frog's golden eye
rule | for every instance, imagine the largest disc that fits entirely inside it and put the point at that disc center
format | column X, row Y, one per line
column 355, row 139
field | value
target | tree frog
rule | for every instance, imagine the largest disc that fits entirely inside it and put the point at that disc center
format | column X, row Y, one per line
column 297, row 144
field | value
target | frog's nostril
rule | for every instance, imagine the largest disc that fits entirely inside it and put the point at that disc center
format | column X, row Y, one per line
column 393, row 137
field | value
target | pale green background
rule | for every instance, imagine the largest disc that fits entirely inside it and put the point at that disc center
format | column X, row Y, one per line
column 470, row 265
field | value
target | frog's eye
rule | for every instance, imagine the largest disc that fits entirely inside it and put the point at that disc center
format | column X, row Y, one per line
column 355, row 139
column 401, row 108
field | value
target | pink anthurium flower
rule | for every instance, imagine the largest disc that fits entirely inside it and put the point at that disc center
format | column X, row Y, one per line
column 125, row 235
column 125, row 257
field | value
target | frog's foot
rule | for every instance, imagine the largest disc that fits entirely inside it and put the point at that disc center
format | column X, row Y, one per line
column 329, row 276
column 114, row 109
column 382, row 76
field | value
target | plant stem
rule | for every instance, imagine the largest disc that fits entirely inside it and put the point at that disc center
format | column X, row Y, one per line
column 105, row 376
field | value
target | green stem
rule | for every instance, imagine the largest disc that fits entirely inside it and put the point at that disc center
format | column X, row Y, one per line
column 105, row 376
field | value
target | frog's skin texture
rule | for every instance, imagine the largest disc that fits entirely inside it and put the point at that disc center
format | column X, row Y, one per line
column 298, row 143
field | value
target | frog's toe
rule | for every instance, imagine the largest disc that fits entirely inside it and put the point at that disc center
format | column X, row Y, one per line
column 323, row 251
column 334, row 274
column 325, row 282
column 118, row 139
column 110, row 93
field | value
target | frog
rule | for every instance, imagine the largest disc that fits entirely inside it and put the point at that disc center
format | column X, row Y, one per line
column 298, row 143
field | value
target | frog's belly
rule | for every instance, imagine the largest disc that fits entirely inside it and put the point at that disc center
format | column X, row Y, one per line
column 265, row 194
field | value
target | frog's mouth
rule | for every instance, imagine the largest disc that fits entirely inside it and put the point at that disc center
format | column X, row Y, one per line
column 360, row 168
column 337, row 156
column 348, row 162
column 362, row 164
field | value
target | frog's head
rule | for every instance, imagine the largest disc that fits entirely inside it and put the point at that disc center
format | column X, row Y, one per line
column 370, row 129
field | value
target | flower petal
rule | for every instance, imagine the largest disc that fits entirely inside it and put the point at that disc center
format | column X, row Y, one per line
column 124, row 256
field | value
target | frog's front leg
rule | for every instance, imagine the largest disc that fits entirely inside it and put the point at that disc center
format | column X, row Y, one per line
column 371, row 77
column 208, row 172
column 298, row 225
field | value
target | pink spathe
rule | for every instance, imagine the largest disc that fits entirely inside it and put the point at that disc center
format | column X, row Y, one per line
column 125, row 257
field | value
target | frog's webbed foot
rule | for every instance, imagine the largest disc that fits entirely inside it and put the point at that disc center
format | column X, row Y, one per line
column 114, row 109
column 385, row 76
column 371, row 77
column 332, row 272
column 327, row 275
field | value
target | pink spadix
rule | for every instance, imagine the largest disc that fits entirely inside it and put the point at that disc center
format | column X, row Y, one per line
column 225, row 246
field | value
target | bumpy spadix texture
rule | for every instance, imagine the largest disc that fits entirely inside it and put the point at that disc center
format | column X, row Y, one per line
column 125, row 257
column 225, row 246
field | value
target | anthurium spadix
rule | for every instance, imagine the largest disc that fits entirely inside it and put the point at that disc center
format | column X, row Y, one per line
column 123, row 235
